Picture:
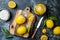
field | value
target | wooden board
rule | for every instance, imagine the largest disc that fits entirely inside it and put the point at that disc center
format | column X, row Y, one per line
column 13, row 26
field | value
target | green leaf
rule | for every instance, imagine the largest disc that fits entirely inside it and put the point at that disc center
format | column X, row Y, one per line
column 53, row 18
column 28, row 29
column 8, row 37
column 45, row 21
column 6, row 31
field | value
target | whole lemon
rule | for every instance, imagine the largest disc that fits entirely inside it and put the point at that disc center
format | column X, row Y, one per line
column 49, row 23
column 20, row 19
column 11, row 4
column 40, row 9
column 21, row 30
column 56, row 30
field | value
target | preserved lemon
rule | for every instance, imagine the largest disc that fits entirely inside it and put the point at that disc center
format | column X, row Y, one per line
column 11, row 4
column 20, row 19
column 56, row 30
column 21, row 30
column 40, row 9
column 49, row 23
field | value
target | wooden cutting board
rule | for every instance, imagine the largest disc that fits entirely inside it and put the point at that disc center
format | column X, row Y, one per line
column 13, row 26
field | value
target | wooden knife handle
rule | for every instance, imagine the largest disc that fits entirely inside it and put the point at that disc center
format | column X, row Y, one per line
column 34, row 33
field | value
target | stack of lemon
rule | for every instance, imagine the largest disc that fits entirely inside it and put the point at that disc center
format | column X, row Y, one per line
column 20, row 19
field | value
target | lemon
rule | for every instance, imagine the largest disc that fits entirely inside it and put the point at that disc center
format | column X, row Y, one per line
column 40, row 9
column 21, row 30
column 30, row 14
column 56, row 30
column 20, row 19
column 44, row 37
column 11, row 4
column 30, row 19
column 49, row 23
column 44, row 30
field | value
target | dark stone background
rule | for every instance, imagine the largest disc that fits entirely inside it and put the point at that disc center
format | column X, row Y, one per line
column 53, row 8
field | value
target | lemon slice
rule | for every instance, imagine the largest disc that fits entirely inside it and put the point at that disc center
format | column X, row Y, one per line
column 44, row 30
column 11, row 4
column 44, row 37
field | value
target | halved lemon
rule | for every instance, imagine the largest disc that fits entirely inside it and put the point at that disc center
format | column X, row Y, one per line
column 40, row 9
column 11, row 4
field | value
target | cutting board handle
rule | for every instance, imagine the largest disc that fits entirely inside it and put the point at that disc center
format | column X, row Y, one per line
column 27, row 9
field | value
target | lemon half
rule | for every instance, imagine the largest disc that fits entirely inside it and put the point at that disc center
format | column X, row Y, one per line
column 11, row 4
column 44, row 37
column 44, row 30
column 40, row 9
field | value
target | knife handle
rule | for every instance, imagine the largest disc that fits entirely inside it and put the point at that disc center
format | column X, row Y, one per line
column 34, row 33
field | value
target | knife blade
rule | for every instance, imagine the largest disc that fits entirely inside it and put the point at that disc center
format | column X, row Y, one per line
column 39, row 23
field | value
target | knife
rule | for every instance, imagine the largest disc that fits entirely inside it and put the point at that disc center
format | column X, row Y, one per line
column 39, row 23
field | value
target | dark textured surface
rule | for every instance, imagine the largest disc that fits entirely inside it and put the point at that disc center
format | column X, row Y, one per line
column 53, row 8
